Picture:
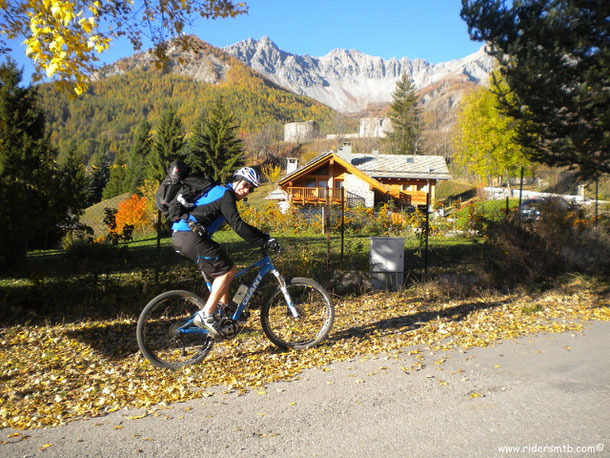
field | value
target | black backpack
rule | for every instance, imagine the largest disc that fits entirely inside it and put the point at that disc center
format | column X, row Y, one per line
column 178, row 191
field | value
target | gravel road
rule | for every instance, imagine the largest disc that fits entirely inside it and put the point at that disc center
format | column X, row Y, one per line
column 547, row 395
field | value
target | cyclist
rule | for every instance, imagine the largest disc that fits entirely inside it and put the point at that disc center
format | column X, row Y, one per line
column 192, row 238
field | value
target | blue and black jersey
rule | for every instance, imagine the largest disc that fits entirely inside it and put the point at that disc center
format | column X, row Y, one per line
column 215, row 208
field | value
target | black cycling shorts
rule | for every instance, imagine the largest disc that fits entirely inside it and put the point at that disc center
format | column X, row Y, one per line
column 208, row 254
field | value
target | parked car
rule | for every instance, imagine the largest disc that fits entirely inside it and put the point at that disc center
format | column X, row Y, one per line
column 531, row 209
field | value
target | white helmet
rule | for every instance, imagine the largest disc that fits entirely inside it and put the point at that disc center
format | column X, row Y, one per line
column 248, row 174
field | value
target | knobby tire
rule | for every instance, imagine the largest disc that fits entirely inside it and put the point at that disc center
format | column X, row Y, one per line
column 157, row 335
column 316, row 315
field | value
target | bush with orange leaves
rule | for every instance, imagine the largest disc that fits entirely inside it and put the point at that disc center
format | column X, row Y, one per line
column 134, row 212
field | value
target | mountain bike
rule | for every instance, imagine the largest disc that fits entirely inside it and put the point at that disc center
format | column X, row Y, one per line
column 298, row 314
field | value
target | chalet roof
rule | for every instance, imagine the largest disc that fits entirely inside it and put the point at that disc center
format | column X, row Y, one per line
column 388, row 166
column 402, row 166
column 322, row 158
column 298, row 171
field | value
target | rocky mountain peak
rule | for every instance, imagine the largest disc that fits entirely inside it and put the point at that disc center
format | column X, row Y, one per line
column 349, row 80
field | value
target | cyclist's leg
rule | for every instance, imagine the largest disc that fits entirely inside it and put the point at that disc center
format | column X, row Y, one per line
column 212, row 260
column 220, row 291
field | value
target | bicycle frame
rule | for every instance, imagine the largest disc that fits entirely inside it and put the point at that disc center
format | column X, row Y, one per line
column 265, row 266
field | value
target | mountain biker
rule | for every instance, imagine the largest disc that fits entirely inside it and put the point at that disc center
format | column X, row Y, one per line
column 192, row 238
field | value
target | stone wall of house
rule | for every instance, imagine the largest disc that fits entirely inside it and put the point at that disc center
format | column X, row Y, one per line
column 359, row 187
column 299, row 132
column 375, row 127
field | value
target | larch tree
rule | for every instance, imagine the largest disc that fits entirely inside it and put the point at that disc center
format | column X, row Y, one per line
column 64, row 37
column 484, row 138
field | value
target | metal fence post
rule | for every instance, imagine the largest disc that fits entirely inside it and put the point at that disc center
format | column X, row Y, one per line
column 521, row 188
column 427, row 231
column 158, row 266
column 327, row 223
column 342, row 220
column 596, row 201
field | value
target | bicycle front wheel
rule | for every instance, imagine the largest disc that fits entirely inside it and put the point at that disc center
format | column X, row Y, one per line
column 163, row 333
column 316, row 315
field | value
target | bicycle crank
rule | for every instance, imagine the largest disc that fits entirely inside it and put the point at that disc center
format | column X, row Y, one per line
column 228, row 328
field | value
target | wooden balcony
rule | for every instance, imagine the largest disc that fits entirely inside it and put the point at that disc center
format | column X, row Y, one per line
column 313, row 195
column 317, row 196
column 410, row 197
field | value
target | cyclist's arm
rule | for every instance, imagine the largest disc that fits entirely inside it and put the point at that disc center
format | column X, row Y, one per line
column 246, row 231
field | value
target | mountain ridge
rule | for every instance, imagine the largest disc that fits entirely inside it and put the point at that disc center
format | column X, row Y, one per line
column 349, row 80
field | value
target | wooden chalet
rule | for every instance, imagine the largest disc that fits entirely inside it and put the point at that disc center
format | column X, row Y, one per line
column 367, row 179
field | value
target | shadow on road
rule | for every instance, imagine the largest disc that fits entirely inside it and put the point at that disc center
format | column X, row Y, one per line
column 412, row 322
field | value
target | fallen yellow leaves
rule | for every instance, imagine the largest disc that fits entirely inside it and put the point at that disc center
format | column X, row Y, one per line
column 52, row 374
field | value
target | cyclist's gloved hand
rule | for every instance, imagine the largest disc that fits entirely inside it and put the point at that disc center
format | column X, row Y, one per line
column 272, row 244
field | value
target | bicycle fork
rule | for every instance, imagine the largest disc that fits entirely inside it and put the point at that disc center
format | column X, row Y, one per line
column 282, row 282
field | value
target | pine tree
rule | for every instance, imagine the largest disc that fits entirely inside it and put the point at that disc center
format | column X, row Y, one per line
column 75, row 182
column 196, row 155
column 167, row 145
column 135, row 172
column 554, row 56
column 99, row 175
column 220, row 145
column 30, row 184
column 405, row 118
column 117, row 183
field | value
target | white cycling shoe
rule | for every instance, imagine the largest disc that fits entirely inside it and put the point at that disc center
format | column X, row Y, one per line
column 206, row 321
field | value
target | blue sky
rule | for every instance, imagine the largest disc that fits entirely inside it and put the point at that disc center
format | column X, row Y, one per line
column 428, row 29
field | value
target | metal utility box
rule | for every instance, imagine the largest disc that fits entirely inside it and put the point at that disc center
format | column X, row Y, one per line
column 387, row 262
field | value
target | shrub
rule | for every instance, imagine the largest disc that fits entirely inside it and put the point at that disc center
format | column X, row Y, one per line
column 357, row 220
column 272, row 172
column 561, row 240
column 148, row 190
column 92, row 256
column 269, row 218
column 133, row 212
column 77, row 233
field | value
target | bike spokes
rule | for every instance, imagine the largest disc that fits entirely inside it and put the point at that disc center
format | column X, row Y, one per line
column 315, row 315
column 166, row 334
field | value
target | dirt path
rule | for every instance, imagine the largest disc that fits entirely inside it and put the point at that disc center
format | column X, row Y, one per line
column 534, row 393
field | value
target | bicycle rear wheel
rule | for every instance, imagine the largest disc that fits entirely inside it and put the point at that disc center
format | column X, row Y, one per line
column 162, row 336
column 316, row 315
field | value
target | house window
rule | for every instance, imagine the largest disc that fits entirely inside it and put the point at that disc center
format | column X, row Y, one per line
column 310, row 183
column 339, row 184
column 323, row 184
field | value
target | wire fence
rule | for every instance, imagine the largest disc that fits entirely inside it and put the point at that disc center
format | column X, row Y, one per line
column 319, row 238
column 98, row 275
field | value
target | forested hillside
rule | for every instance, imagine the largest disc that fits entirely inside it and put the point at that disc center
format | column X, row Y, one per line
column 113, row 107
